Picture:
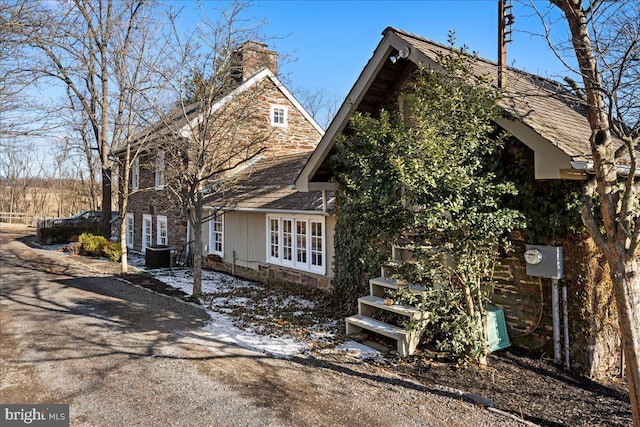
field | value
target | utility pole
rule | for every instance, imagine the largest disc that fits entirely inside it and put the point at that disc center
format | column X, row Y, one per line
column 505, row 21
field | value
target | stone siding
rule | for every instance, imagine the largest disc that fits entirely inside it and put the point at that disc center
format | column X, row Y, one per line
column 593, row 331
column 299, row 136
column 156, row 202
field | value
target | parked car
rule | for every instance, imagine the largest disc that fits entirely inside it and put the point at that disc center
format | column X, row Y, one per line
column 83, row 218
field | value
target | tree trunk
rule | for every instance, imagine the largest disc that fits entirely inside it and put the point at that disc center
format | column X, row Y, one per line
column 105, row 226
column 613, row 240
column 124, row 202
column 196, row 214
column 625, row 275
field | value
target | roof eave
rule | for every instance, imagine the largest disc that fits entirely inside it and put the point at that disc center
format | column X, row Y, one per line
column 381, row 54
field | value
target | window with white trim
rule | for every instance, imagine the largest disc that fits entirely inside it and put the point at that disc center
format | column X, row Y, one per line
column 147, row 229
column 129, row 230
column 274, row 239
column 301, row 241
column 317, row 245
column 297, row 241
column 162, row 233
column 159, row 174
column 216, row 238
column 135, row 174
column 279, row 115
column 287, row 241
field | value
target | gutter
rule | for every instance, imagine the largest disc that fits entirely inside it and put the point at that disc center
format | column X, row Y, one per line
column 589, row 168
column 267, row 211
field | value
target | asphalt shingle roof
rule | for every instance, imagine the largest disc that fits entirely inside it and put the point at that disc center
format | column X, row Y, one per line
column 541, row 104
column 267, row 184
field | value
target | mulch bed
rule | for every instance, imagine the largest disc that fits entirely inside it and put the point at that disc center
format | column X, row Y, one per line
column 531, row 387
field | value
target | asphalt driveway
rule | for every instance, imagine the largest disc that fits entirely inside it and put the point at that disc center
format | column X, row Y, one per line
column 123, row 356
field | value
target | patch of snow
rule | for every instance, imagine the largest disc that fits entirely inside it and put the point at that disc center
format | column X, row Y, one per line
column 212, row 281
column 222, row 327
column 296, row 302
column 358, row 350
column 135, row 259
column 224, row 330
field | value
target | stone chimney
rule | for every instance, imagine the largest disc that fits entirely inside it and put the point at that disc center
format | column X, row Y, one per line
column 250, row 58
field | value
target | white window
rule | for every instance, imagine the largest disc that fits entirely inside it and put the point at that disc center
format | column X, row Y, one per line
column 162, row 235
column 159, row 175
column 317, row 244
column 301, row 241
column 147, row 227
column 129, row 231
column 216, row 239
column 274, row 240
column 135, row 174
column 297, row 242
column 287, row 241
column 279, row 116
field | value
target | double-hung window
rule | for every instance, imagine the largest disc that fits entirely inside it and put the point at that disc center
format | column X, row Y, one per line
column 147, row 228
column 159, row 173
column 129, row 230
column 162, row 234
column 279, row 115
column 297, row 242
column 135, row 174
column 216, row 238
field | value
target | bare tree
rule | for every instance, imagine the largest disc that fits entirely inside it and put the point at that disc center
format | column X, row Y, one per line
column 320, row 104
column 15, row 169
column 605, row 39
column 207, row 136
column 77, row 44
column 12, row 83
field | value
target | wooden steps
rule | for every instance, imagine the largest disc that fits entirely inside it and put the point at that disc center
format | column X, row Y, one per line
column 380, row 285
column 368, row 305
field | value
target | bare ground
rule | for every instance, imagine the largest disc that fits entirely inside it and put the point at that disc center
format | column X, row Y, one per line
column 524, row 384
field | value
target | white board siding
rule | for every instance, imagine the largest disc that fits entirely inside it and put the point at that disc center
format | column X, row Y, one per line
column 245, row 233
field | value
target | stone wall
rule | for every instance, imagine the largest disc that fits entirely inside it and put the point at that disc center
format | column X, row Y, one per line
column 593, row 330
column 155, row 202
column 268, row 272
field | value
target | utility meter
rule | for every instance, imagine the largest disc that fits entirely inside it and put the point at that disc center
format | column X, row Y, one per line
column 544, row 261
column 533, row 256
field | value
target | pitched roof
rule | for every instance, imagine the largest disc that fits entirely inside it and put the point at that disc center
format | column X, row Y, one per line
column 267, row 185
column 177, row 121
column 542, row 104
column 538, row 111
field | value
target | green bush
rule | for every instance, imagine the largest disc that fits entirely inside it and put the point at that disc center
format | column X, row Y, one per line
column 112, row 250
column 97, row 246
column 91, row 245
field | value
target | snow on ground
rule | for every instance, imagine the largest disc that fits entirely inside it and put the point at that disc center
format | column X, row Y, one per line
column 224, row 325
column 358, row 351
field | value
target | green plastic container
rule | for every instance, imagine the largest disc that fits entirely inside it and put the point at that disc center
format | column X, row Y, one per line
column 497, row 336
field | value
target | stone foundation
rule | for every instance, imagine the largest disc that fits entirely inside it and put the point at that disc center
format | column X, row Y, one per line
column 268, row 272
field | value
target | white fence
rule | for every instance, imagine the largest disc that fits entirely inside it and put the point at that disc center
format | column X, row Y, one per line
column 16, row 218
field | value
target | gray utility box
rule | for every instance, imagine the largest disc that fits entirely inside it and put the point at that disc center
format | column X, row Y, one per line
column 544, row 261
column 160, row 256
